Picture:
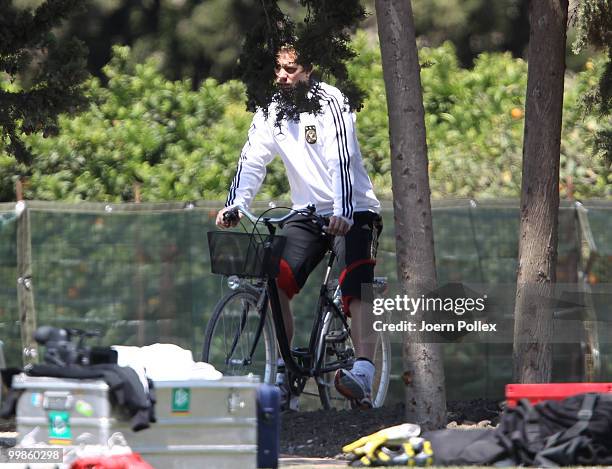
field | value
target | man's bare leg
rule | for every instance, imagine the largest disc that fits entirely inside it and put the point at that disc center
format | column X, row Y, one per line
column 361, row 329
column 288, row 402
column 356, row 384
column 361, row 325
column 287, row 314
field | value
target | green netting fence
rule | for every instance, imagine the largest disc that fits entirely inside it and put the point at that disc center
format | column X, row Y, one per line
column 140, row 273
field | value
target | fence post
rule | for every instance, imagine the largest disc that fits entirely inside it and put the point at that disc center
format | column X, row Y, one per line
column 592, row 357
column 25, row 289
column 138, row 281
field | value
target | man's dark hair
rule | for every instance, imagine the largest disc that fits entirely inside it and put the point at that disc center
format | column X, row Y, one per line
column 290, row 49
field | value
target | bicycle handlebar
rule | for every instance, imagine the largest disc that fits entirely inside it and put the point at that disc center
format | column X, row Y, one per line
column 232, row 215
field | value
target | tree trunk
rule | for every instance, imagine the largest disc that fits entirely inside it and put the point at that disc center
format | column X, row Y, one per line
column 423, row 367
column 533, row 325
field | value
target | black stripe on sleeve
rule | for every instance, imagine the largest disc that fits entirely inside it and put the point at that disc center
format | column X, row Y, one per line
column 235, row 184
column 344, row 155
column 343, row 180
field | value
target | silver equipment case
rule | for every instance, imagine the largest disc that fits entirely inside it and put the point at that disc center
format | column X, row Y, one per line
column 200, row 423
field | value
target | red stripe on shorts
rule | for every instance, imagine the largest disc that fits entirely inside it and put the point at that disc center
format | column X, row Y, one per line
column 286, row 280
column 353, row 266
column 346, row 300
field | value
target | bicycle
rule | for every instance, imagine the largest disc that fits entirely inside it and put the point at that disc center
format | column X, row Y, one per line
column 241, row 320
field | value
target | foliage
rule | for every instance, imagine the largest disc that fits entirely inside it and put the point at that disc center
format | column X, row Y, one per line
column 593, row 20
column 183, row 144
column 52, row 73
column 194, row 39
column 197, row 39
column 473, row 26
column 475, row 123
column 594, row 25
column 322, row 40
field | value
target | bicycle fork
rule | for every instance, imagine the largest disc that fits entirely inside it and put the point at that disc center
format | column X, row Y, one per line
column 262, row 304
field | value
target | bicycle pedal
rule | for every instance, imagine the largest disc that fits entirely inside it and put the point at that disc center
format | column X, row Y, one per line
column 364, row 404
column 336, row 336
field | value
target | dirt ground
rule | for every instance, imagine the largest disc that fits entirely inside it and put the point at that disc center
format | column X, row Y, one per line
column 323, row 433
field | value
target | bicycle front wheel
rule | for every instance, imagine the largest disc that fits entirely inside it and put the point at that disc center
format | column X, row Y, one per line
column 240, row 340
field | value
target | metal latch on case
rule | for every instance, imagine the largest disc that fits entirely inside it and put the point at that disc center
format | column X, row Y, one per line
column 57, row 400
column 235, row 402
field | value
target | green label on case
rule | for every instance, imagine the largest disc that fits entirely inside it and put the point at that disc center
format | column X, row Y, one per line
column 181, row 400
column 59, row 426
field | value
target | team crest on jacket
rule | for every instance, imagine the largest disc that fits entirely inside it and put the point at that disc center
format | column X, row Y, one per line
column 311, row 134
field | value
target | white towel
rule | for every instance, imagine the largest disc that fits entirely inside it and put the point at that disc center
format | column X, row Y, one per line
column 165, row 362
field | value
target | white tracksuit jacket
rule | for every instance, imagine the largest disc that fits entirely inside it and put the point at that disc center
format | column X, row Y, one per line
column 321, row 155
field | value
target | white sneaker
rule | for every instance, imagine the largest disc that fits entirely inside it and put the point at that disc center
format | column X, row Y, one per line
column 355, row 386
column 288, row 402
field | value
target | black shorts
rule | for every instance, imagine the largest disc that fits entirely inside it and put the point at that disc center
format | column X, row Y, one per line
column 356, row 252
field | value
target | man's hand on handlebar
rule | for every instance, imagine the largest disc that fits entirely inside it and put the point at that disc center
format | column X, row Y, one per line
column 338, row 226
column 228, row 217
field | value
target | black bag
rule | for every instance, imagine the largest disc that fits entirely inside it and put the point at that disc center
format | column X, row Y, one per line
column 575, row 431
column 459, row 447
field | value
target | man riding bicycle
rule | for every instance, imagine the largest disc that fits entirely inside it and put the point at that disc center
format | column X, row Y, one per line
column 325, row 169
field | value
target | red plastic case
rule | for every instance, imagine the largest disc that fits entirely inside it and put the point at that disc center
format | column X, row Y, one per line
column 550, row 391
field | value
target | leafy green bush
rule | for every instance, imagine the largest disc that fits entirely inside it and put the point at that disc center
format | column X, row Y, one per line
column 182, row 144
column 178, row 143
column 475, row 121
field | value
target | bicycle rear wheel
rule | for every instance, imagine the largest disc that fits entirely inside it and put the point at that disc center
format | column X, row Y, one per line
column 234, row 327
column 335, row 344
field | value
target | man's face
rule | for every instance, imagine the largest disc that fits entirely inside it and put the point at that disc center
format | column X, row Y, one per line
column 288, row 72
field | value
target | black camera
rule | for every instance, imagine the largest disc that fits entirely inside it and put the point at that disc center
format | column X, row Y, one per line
column 61, row 349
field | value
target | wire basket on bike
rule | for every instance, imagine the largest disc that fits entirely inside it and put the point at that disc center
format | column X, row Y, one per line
column 245, row 254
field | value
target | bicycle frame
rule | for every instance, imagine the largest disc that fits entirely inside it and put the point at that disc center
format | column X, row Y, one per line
column 279, row 323
column 312, row 363
column 324, row 300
